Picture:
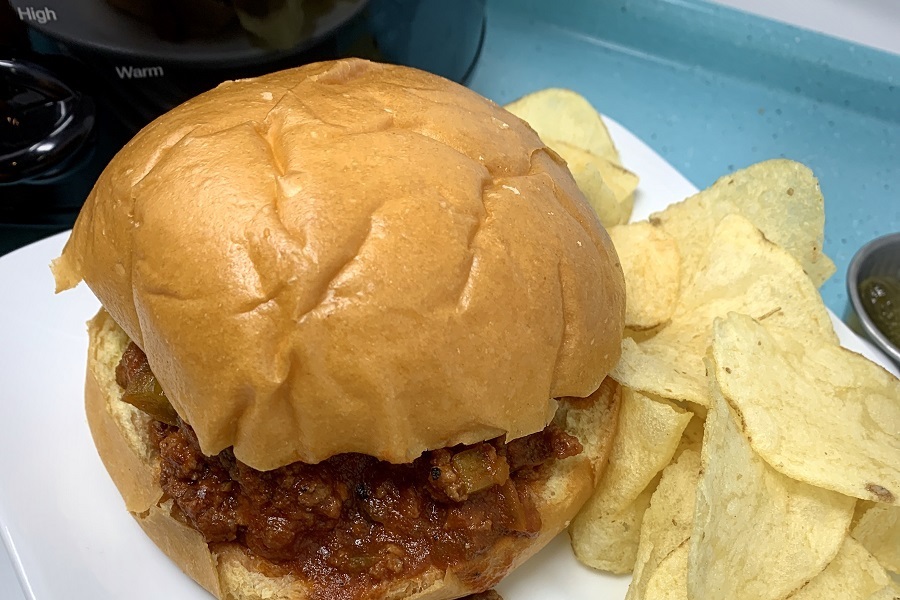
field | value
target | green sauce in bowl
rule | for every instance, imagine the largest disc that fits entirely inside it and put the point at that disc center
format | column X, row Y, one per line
column 880, row 296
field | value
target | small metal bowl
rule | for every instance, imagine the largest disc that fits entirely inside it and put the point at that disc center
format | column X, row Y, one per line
column 881, row 256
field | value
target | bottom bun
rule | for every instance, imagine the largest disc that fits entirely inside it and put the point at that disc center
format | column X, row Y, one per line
column 230, row 572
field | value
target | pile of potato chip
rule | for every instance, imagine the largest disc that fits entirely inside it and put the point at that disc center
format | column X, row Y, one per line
column 756, row 458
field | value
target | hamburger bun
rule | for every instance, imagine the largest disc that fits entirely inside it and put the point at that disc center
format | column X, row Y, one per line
column 226, row 571
column 347, row 257
column 351, row 257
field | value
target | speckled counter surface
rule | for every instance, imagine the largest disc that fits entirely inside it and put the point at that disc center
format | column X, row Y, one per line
column 712, row 90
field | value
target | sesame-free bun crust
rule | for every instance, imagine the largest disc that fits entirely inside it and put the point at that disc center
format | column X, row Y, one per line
column 351, row 257
column 119, row 432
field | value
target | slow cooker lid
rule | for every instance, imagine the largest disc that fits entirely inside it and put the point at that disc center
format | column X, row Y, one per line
column 104, row 26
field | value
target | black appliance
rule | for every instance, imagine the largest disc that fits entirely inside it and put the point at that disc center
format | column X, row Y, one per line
column 78, row 78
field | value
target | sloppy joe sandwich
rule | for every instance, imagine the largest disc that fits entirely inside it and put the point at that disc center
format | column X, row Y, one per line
column 356, row 326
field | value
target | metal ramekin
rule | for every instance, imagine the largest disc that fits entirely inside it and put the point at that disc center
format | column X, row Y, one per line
column 881, row 256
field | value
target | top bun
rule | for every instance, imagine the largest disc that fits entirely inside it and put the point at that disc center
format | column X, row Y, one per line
column 351, row 257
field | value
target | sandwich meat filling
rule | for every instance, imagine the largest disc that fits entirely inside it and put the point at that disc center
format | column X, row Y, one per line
column 351, row 521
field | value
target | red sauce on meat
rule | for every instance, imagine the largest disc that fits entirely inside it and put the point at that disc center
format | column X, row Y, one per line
column 352, row 522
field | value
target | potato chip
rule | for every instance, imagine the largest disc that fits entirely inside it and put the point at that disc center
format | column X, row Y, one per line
column 654, row 367
column 609, row 542
column 878, row 530
column 646, row 438
column 623, row 182
column 758, row 535
column 853, row 574
column 560, row 114
column 814, row 411
column 742, row 272
column 652, row 267
column 585, row 167
column 616, row 178
column 668, row 521
column 862, row 506
column 692, row 438
column 669, row 580
column 648, row 434
column 888, row 592
column 781, row 197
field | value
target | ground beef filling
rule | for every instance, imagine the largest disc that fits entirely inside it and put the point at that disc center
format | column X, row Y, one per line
column 352, row 518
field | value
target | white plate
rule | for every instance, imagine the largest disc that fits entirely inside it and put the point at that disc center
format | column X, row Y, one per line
column 63, row 521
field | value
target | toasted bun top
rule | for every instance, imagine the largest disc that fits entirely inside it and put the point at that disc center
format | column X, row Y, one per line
column 351, row 257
